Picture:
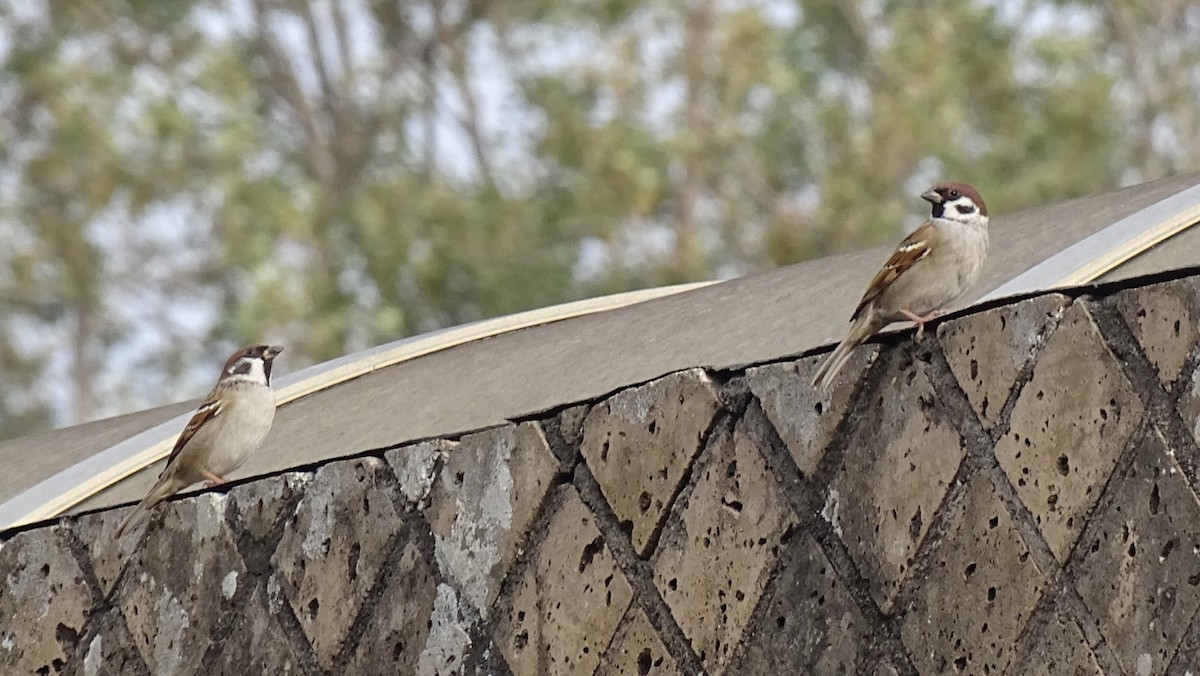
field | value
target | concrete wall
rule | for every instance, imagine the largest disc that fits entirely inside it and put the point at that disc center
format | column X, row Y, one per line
column 1012, row 496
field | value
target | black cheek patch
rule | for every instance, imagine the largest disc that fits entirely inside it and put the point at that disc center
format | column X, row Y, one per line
column 965, row 208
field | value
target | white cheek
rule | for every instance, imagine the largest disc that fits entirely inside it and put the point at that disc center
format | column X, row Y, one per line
column 256, row 371
column 972, row 217
column 968, row 207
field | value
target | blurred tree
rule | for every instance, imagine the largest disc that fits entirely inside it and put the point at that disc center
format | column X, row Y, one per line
column 90, row 144
column 1151, row 51
column 184, row 175
column 357, row 232
column 745, row 135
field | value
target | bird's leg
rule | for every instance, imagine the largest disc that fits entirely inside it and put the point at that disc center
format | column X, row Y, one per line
column 213, row 479
column 920, row 320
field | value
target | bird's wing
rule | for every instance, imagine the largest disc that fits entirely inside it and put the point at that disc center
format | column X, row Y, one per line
column 914, row 248
column 210, row 409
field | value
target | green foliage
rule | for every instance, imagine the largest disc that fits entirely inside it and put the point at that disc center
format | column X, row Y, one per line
column 187, row 175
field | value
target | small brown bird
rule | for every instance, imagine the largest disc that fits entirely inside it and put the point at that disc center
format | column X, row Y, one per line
column 229, row 426
column 935, row 265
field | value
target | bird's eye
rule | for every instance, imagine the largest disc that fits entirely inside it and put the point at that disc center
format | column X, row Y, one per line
column 953, row 193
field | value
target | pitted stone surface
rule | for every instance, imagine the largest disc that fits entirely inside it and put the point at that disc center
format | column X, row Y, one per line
column 399, row 629
column 717, row 553
column 977, row 592
column 44, row 602
column 568, row 426
column 333, row 550
column 566, row 605
column 108, row 556
column 805, row 417
column 1187, row 659
column 1165, row 320
column 258, row 643
column 171, row 594
column 1060, row 648
column 1189, row 407
column 489, row 491
column 807, row 621
column 851, row 375
column 986, row 351
column 1068, row 427
column 110, row 650
column 417, row 467
column 640, row 442
column 1138, row 570
column 897, row 468
column 257, row 507
column 637, row 649
column 449, row 637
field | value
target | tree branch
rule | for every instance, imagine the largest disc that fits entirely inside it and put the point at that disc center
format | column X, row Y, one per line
column 470, row 120
column 282, row 82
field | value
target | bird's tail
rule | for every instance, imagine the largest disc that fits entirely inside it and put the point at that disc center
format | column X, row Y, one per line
column 864, row 327
column 165, row 488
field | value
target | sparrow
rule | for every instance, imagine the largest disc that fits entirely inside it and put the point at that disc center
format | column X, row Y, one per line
column 935, row 265
column 230, row 425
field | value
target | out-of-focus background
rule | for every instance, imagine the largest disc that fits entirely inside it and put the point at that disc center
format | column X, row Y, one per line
column 178, row 177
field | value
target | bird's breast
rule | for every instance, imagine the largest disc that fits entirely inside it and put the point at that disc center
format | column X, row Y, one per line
column 247, row 420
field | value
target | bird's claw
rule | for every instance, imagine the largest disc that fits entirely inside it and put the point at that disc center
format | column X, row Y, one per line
column 213, row 479
column 920, row 321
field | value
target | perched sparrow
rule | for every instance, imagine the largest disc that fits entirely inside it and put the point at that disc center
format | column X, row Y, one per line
column 229, row 426
column 930, row 269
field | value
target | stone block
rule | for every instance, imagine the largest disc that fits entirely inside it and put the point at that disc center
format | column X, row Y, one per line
column 110, row 649
column 807, row 621
column 398, row 632
column 1189, row 406
column 1187, row 658
column 481, row 507
column 804, row 416
column 847, row 381
column 565, row 433
column 718, row 551
column 1136, row 565
column 334, row 548
column 637, row 649
column 45, row 601
column 987, row 350
column 640, row 442
column 108, row 556
column 977, row 589
column 1068, row 427
column 449, row 638
column 897, row 468
column 1165, row 320
column 258, row 644
column 564, row 608
column 1059, row 648
column 417, row 467
column 176, row 589
column 258, row 507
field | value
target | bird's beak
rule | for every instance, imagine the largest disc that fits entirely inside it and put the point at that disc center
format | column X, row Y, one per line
column 932, row 196
column 273, row 351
